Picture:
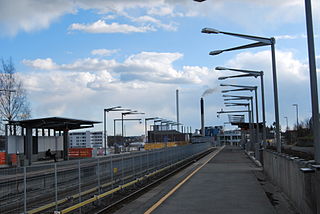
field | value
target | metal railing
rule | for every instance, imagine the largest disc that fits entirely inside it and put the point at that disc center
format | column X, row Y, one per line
column 56, row 186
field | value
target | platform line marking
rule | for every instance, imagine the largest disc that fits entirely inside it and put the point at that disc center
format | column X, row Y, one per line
column 156, row 205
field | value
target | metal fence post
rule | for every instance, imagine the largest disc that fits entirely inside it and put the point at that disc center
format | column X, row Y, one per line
column 122, row 175
column 79, row 174
column 147, row 161
column 56, row 185
column 98, row 173
column 140, row 164
column 25, row 188
column 133, row 168
column 111, row 171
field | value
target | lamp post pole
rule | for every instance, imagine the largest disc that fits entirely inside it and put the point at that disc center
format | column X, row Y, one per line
column 146, row 127
column 105, row 112
column 313, row 81
column 275, row 94
column 297, row 114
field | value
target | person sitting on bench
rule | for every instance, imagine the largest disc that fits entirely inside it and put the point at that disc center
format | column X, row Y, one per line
column 50, row 155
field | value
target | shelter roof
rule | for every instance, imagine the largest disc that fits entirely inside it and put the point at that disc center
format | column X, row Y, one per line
column 56, row 123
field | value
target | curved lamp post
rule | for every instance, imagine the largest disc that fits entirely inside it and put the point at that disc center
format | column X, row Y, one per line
column 251, row 73
column 259, row 42
column 248, row 88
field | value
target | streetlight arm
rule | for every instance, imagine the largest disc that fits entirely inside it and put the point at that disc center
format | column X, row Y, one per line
column 240, row 86
column 267, row 41
column 258, row 73
column 240, row 89
column 236, row 76
column 252, row 45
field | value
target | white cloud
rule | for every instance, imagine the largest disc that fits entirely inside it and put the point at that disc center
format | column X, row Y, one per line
column 101, row 26
column 289, row 69
column 30, row 15
column 87, row 64
column 43, row 64
column 148, row 19
column 142, row 67
column 301, row 36
column 103, row 52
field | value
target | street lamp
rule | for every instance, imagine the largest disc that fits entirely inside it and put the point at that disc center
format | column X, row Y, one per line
column 259, row 42
column 251, row 73
column 124, row 114
column 297, row 113
column 240, row 111
column 105, row 111
column 130, row 119
column 249, row 98
column 146, row 127
column 313, row 81
column 250, row 88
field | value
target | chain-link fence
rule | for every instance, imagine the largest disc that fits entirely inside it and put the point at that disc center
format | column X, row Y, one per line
column 57, row 186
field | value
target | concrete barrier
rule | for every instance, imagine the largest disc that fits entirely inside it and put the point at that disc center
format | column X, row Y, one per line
column 297, row 178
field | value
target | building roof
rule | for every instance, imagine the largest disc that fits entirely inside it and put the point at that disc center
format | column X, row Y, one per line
column 56, row 123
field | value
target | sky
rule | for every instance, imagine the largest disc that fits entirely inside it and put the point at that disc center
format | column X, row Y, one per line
column 76, row 58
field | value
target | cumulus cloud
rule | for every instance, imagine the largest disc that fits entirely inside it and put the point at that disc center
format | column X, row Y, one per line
column 30, row 15
column 101, row 26
column 42, row 64
column 288, row 68
column 142, row 67
column 87, row 64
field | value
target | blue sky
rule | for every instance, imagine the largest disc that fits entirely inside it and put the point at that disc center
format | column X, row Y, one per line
column 78, row 57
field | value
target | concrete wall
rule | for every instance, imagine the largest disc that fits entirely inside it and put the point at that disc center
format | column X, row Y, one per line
column 297, row 178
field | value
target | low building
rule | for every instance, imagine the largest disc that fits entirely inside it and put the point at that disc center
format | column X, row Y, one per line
column 79, row 139
column 229, row 137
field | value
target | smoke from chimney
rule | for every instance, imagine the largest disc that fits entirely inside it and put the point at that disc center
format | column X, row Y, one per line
column 209, row 91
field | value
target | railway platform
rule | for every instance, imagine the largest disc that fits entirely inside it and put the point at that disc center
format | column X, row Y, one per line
column 223, row 182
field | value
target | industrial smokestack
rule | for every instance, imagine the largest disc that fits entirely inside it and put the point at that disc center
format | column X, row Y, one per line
column 202, row 115
column 177, row 105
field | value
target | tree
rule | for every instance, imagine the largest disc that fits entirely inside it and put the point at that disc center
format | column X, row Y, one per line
column 14, row 104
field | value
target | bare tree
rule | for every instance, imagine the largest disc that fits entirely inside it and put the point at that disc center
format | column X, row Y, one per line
column 14, row 104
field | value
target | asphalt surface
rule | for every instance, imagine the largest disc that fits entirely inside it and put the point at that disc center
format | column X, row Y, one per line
column 226, row 184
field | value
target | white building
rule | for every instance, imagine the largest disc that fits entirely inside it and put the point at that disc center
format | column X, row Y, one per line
column 85, row 139
column 229, row 137
column 96, row 139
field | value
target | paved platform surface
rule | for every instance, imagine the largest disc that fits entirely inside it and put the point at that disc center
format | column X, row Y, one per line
column 226, row 184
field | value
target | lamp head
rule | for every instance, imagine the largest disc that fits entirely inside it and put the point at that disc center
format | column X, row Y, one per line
column 209, row 30
column 221, row 68
column 216, row 52
column 224, row 85
column 222, row 78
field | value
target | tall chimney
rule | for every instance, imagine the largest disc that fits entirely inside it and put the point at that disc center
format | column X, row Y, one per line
column 177, row 105
column 202, row 115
